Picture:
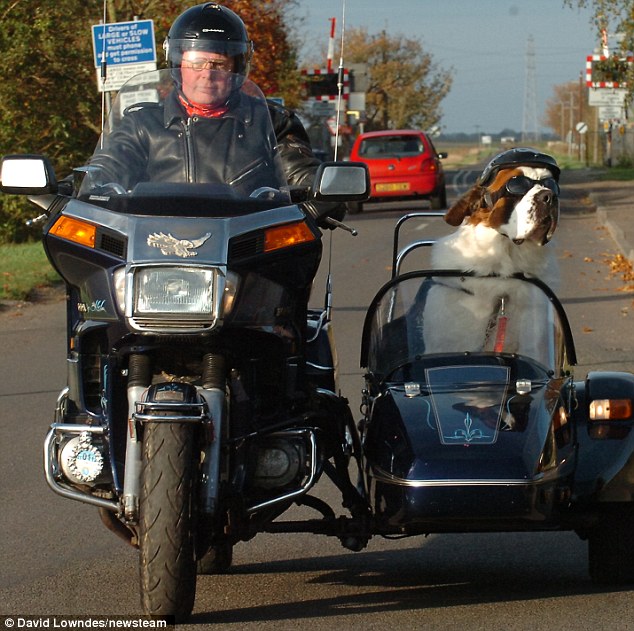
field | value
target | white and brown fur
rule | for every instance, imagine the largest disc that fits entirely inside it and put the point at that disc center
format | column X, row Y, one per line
column 497, row 233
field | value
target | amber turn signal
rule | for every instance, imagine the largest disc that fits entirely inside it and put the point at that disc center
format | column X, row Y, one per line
column 75, row 230
column 287, row 235
column 610, row 409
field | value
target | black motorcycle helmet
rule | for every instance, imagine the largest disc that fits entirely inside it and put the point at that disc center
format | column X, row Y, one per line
column 518, row 156
column 212, row 28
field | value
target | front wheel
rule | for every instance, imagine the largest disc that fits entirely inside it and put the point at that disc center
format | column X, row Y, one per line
column 166, row 537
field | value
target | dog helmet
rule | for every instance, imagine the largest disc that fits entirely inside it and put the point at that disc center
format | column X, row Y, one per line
column 209, row 27
column 519, row 156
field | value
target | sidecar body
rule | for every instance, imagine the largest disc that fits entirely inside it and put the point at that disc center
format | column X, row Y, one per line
column 474, row 423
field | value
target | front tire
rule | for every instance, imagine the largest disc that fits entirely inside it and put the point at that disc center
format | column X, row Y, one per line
column 166, row 537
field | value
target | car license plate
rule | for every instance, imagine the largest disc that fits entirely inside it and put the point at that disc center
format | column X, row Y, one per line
column 393, row 186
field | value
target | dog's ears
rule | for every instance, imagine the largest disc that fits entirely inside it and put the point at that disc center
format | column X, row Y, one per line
column 468, row 204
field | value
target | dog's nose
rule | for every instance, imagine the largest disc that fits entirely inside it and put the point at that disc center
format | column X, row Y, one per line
column 544, row 196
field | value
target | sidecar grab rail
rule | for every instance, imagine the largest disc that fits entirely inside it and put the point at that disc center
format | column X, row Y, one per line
column 398, row 258
column 396, row 270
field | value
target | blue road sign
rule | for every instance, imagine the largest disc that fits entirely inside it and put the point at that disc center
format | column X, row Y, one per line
column 125, row 42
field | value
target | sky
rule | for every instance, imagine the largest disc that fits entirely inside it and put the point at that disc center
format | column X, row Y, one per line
column 484, row 42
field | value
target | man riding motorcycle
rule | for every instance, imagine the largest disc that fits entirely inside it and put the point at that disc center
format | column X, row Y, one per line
column 188, row 140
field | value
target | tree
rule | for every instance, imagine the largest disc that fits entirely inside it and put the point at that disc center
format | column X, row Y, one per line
column 566, row 108
column 46, row 65
column 618, row 15
column 275, row 65
column 406, row 87
column 45, row 106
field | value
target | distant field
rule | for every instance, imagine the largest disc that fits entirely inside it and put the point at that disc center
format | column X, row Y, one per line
column 460, row 155
column 464, row 155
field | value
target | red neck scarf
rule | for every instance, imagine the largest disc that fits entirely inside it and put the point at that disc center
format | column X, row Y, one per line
column 197, row 109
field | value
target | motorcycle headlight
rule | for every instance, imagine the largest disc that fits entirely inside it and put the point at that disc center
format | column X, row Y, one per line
column 175, row 299
column 172, row 299
column 173, row 290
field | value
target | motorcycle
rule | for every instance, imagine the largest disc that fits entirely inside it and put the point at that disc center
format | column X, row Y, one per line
column 201, row 401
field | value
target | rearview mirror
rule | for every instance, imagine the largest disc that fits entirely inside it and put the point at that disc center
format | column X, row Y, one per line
column 341, row 182
column 27, row 175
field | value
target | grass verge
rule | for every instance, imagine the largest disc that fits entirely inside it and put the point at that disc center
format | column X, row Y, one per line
column 618, row 174
column 24, row 268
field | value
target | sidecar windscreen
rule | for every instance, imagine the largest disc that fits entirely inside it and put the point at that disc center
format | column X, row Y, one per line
column 420, row 318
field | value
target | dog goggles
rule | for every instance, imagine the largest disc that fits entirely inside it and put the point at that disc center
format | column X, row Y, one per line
column 520, row 185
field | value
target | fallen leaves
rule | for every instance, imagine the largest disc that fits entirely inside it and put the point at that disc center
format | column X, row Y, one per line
column 620, row 265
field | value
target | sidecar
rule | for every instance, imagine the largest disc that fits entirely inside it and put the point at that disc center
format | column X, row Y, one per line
column 473, row 421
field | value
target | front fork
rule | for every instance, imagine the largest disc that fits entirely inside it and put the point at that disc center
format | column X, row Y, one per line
column 144, row 407
column 139, row 378
column 213, row 392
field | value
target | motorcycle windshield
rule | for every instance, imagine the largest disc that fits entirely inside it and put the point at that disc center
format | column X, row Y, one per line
column 157, row 143
column 421, row 322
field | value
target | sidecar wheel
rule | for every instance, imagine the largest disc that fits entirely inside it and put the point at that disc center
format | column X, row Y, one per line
column 611, row 551
column 217, row 559
column 166, row 542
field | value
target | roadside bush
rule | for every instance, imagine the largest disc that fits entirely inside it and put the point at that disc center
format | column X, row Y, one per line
column 14, row 212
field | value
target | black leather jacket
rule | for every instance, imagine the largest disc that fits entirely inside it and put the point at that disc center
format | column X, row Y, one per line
column 161, row 143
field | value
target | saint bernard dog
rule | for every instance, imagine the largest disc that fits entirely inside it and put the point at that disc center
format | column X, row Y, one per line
column 503, row 223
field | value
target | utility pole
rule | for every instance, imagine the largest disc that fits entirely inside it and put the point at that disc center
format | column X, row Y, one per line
column 529, row 121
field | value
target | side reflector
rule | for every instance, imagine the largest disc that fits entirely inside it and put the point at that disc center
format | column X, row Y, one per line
column 75, row 230
column 610, row 409
column 286, row 236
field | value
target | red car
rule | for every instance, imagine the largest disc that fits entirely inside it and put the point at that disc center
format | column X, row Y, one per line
column 403, row 165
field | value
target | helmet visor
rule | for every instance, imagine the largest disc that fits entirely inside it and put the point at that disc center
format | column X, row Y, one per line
column 175, row 48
